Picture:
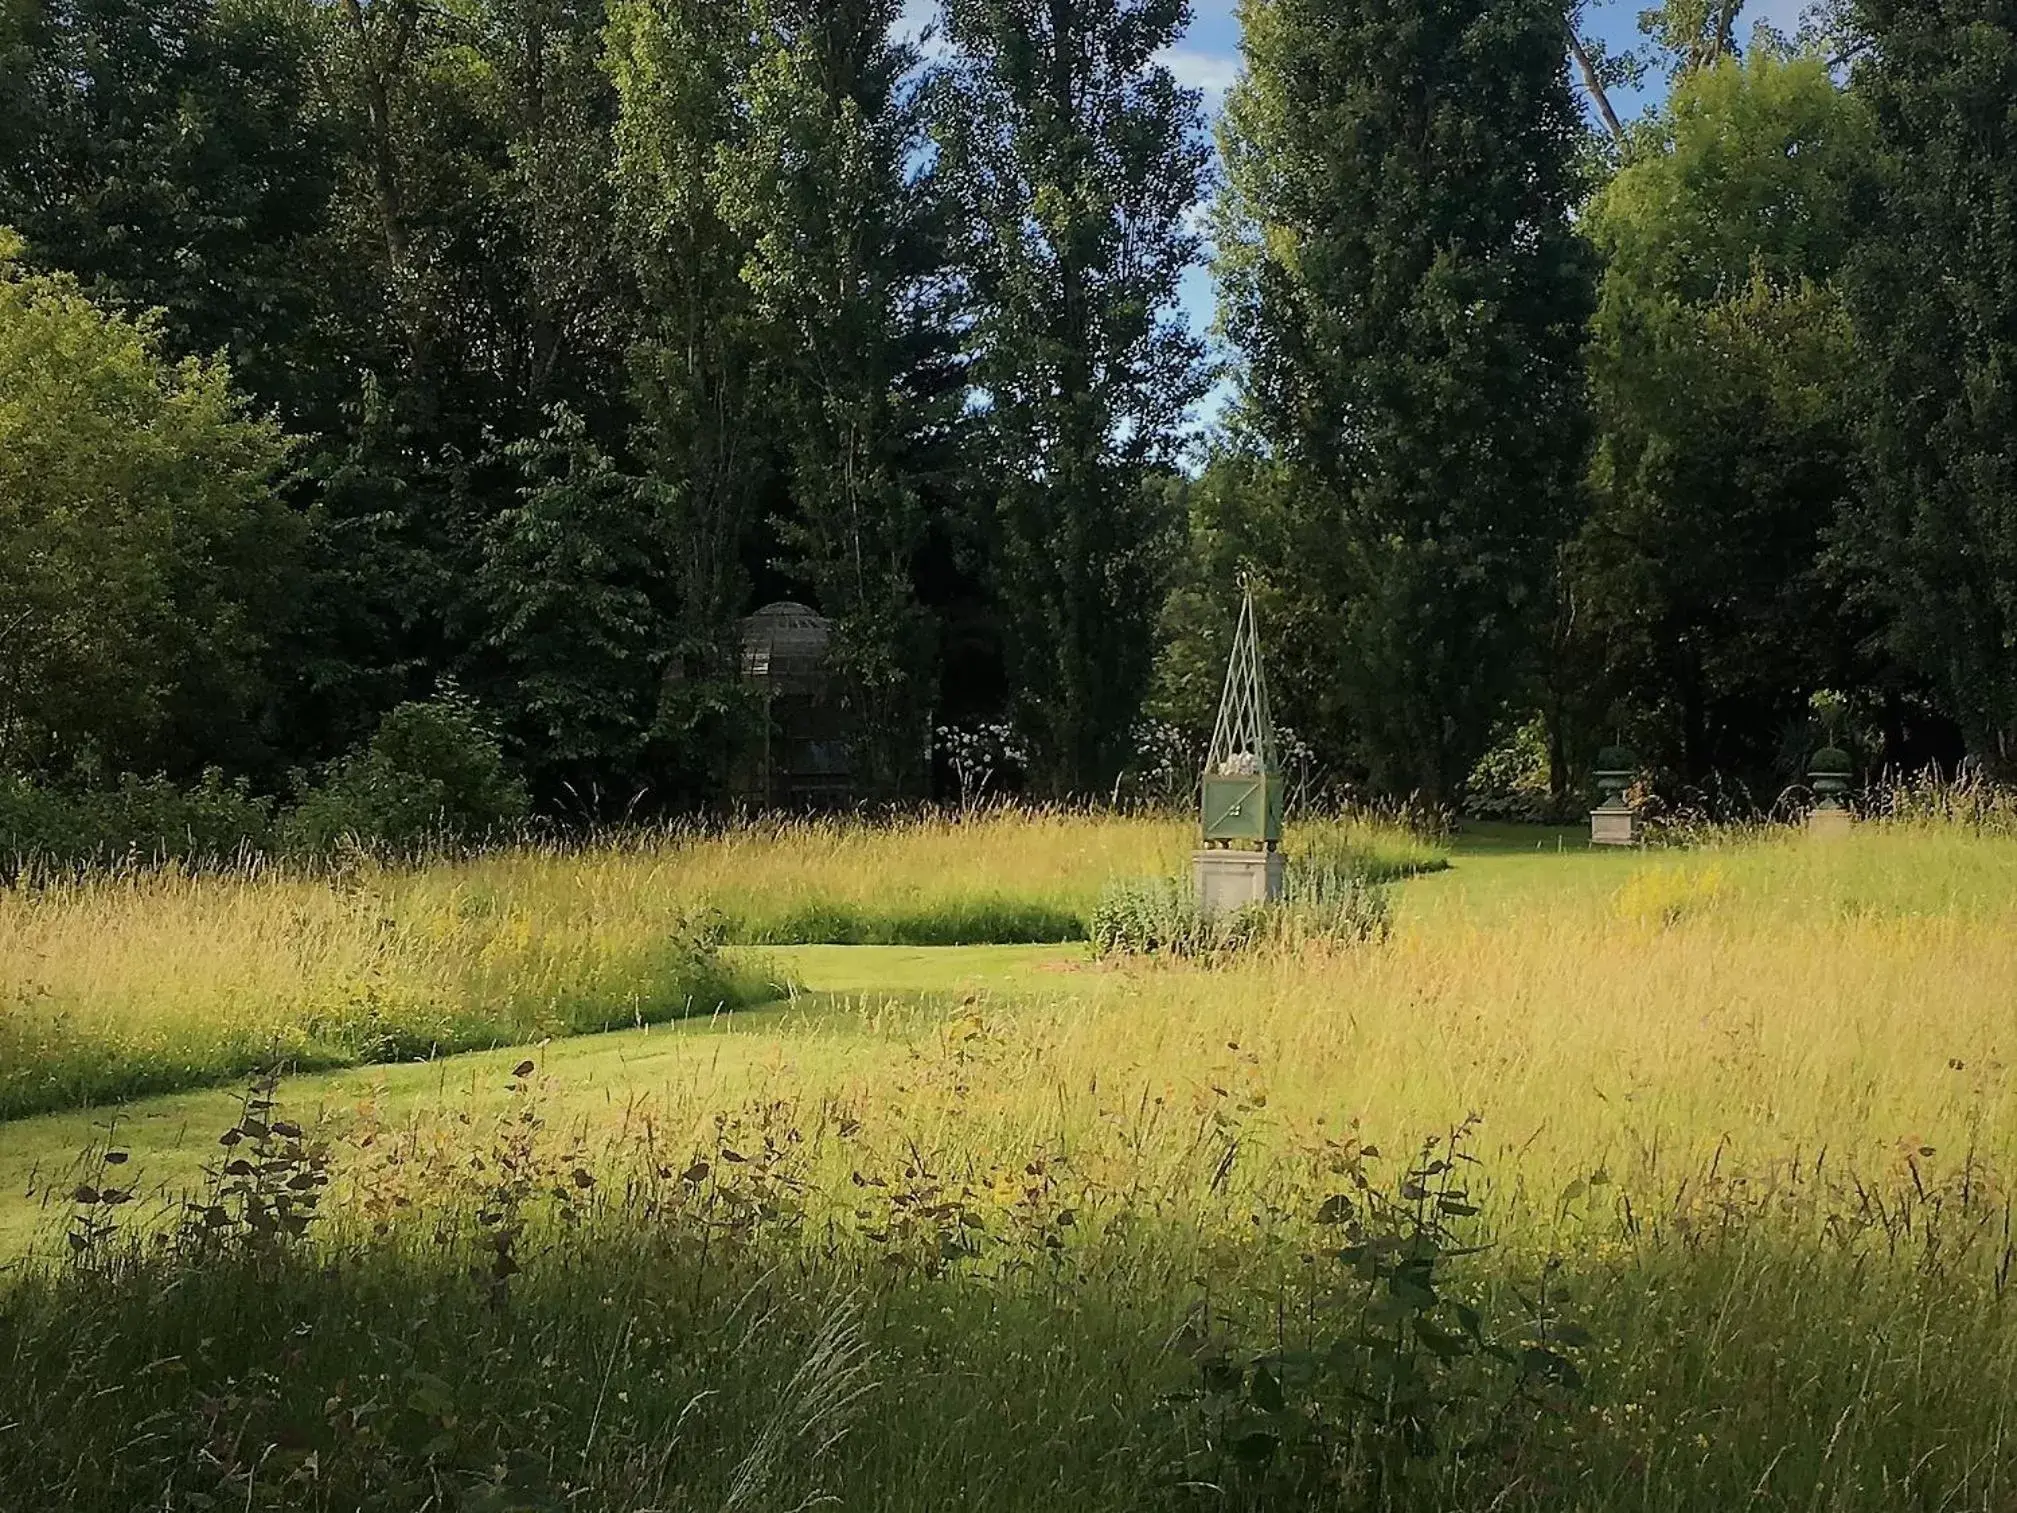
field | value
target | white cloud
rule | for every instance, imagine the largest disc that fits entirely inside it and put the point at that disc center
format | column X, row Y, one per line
column 1214, row 73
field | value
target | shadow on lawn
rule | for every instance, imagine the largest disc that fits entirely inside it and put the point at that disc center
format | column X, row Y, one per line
column 789, row 1305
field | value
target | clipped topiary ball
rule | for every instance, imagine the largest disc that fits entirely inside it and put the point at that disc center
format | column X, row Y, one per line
column 1617, row 759
column 1832, row 760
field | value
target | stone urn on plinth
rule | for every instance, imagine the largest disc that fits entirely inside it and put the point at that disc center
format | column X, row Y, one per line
column 1241, row 860
column 1614, row 822
column 1829, row 772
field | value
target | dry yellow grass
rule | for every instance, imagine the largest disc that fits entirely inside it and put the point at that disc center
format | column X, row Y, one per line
column 1790, row 1064
column 1766, row 997
column 128, row 985
column 1653, row 1017
column 157, row 981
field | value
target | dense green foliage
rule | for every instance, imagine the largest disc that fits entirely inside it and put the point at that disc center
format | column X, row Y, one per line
column 353, row 350
column 433, row 776
column 846, row 262
column 432, row 772
column 1409, row 298
column 1074, row 162
column 1717, row 362
column 1934, row 294
column 1755, row 528
column 144, row 821
column 142, row 551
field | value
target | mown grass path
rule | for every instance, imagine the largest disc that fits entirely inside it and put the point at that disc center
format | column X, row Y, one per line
column 821, row 1024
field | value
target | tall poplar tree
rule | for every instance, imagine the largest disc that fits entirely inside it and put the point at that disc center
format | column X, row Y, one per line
column 698, row 374
column 833, row 191
column 1409, row 298
column 1933, row 291
column 1076, row 160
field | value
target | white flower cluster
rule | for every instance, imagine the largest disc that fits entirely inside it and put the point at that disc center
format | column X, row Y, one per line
column 1164, row 765
column 980, row 754
column 1298, row 756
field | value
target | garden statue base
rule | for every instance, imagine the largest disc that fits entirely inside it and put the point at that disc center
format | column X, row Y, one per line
column 1614, row 825
column 1229, row 880
column 1830, row 821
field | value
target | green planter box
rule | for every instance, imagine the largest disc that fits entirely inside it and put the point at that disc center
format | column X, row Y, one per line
column 1243, row 807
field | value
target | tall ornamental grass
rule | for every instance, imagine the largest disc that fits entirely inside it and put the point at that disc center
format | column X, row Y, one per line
column 149, row 980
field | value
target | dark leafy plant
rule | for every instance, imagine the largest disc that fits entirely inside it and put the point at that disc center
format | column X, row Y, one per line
column 265, row 1189
column 1397, row 1380
column 103, row 1187
column 435, row 771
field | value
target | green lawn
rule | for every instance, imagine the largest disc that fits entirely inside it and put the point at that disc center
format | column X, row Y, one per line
column 1497, row 870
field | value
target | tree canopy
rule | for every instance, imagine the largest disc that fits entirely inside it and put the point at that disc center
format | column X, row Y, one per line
column 143, row 554
column 356, row 356
column 1718, row 362
column 1408, row 298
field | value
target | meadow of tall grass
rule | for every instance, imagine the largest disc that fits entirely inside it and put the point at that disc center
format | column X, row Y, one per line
column 119, row 987
column 157, row 979
column 1676, row 1182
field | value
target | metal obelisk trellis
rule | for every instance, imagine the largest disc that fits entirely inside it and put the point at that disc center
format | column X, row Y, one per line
column 1241, row 795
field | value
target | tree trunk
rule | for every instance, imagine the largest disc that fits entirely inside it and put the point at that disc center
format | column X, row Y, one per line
column 1593, row 84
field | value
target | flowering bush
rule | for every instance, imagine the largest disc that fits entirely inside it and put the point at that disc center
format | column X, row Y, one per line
column 980, row 756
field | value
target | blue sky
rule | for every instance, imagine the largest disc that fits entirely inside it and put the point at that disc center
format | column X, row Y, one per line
column 1208, row 58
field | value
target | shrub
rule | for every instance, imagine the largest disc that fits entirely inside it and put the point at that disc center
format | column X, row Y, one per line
column 1510, row 781
column 144, row 819
column 1160, row 916
column 1324, row 899
column 433, row 772
column 1331, row 897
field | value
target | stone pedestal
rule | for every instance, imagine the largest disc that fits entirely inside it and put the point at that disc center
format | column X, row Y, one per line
column 1614, row 825
column 1229, row 880
column 1829, row 820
